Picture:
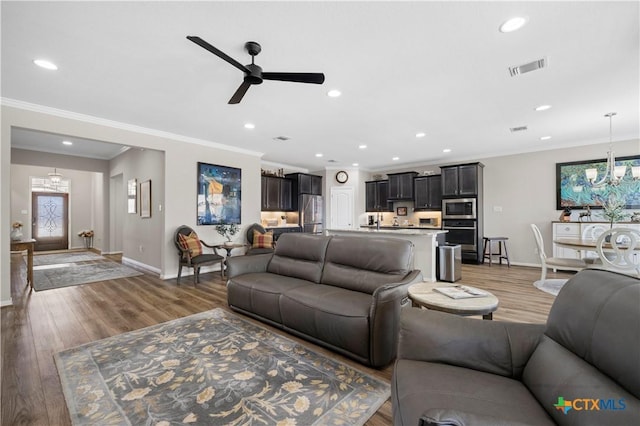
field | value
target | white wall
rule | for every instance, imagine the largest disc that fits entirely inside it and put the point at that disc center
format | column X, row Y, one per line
column 180, row 162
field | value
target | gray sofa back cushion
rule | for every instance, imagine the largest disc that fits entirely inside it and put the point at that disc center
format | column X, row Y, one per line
column 299, row 256
column 603, row 329
column 358, row 264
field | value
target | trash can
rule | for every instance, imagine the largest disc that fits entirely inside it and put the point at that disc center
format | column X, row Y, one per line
column 449, row 259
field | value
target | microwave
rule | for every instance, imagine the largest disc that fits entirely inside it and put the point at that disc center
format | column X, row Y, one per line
column 459, row 208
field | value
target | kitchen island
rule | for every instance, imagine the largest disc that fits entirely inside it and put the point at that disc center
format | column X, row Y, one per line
column 425, row 242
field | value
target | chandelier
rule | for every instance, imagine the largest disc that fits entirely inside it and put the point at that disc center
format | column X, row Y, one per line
column 613, row 174
column 55, row 178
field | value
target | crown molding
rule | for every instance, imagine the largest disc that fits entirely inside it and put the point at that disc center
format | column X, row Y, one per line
column 14, row 103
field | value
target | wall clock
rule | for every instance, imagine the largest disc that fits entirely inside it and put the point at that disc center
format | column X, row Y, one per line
column 342, row 176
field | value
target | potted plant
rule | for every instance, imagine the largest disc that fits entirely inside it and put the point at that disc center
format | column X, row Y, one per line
column 227, row 231
column 613, row 210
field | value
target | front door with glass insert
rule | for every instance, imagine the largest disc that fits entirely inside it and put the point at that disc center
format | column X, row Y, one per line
column 50, row 220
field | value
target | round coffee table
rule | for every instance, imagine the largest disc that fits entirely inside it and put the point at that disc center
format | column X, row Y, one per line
column 422, row 294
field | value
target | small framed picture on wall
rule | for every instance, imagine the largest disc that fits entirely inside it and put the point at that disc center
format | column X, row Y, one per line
column 145, row 199
column 401, row 211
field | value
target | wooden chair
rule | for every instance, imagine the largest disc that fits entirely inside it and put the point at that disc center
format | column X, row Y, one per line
column 261, row 250
column 554, row 262
column 190, row 253
column 619, row 250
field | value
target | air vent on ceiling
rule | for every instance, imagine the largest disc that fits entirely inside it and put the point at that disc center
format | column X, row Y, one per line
column 518, row 129
column 281, row 138
column 531, row 66
column 332, row 161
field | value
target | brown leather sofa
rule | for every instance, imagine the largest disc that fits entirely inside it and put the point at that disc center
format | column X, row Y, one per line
column 344, row 293
column 581, row 368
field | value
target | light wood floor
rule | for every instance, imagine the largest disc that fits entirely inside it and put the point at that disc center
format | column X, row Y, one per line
column 40, row 324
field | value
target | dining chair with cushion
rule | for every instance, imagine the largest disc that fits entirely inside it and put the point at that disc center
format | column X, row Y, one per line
column 619, row 250
column 555, row 262
column 591, row 233
column 260, row 240
column 191, row 254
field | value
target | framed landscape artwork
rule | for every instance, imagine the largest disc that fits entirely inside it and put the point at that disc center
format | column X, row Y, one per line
column 219, row 194
column 574, row 191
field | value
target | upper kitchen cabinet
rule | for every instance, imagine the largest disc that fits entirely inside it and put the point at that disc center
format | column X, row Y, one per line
column 401, row 186
column 464, row 180
column 377, row 195
column 276, row 194
column 304, row 183
column 427, row 192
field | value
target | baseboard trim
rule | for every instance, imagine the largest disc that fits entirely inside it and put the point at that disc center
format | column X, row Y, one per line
column 8, row 302
column 131, row 262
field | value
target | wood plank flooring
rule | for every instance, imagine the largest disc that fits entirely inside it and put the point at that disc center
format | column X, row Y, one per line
column 40, row 324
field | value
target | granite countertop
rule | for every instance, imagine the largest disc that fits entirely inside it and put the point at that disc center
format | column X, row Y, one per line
column 401, row 227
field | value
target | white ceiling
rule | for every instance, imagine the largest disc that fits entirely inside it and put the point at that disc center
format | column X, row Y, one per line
column 403, row 67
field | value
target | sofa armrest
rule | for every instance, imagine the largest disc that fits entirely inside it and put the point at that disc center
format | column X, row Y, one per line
column 399, row 289
column 491, row 346
column 239, row 265
column 449, row 417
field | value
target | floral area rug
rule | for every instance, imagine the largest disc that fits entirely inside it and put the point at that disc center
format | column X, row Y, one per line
column 212, row 368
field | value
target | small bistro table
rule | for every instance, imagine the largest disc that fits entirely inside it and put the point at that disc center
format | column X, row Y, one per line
column 422, row 294
column 27, row 245
column 228, row 248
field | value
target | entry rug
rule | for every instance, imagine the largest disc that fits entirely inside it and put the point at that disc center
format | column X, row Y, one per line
column 65, row 275
column 551, row 286
column 212, row 368
column 53, row 259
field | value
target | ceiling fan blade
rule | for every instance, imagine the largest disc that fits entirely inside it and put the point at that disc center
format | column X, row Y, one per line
column 237, row 97
column 297, row 77
column 219, row 53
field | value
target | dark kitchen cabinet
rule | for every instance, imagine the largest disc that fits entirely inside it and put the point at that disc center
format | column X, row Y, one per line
column 401, row 186
column 463, row 180
column 377, row 196
column 276, row 194
column 304, row 183
column 427, row 192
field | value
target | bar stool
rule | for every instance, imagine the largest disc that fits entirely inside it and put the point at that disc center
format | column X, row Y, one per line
column 502, row 242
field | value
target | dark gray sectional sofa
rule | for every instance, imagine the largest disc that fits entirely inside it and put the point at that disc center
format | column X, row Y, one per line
column 581, row 368
column 344, row 293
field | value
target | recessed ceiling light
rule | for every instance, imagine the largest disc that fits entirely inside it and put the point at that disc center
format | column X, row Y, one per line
column 67, row 143
column 334, row 93
column 362, row 146
column 543, row 107
column 43, row 63
column 249, row 126
column 446, row 150
column 513, row 24
column 395, row 158
column 355, row 164
column 319, row 154
column 421, row 135
column 544, row 138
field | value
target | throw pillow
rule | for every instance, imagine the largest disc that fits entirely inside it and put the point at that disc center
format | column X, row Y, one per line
column 262, row 240
column 191, row 242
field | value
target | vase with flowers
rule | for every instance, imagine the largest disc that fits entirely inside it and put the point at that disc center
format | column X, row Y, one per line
column 88, row 238
column 16, row 231
column 227, row 230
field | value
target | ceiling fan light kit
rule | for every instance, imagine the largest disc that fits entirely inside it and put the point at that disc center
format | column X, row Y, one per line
column 253, row 73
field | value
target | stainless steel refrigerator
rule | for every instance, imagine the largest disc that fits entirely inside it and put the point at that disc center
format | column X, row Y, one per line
column 311, row 210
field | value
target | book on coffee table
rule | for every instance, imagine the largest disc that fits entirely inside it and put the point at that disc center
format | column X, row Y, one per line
column 461, row 292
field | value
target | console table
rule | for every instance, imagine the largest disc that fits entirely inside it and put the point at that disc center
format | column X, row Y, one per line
column 27, row 245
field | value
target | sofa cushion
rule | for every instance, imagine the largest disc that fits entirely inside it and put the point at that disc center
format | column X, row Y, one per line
column 299, row 256
column 260, row 292
column 337, row 316
column 426, row 385
column 363, row 264
column 603, row 329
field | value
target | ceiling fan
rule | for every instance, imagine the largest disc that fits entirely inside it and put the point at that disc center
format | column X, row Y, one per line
column 253, row 73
